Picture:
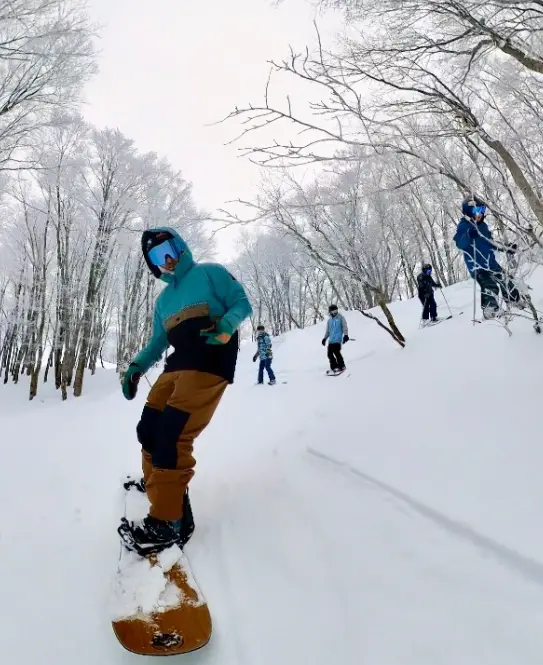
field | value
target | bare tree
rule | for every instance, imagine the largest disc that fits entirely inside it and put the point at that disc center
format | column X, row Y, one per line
column 46, row 54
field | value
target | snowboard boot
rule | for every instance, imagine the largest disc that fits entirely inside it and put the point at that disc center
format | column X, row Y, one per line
column 148, row 537
column 331, row 372
column 272, row 383
column 185, row 526
column 138, row 485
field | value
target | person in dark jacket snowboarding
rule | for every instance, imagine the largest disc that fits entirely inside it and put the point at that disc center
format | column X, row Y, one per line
column 337, row 333
column 265, row 353
column 198, row 314
column 426, row 286
column 475, row 240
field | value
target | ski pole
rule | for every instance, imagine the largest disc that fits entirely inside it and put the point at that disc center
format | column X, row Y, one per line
column 474, row 286
column 445, row 299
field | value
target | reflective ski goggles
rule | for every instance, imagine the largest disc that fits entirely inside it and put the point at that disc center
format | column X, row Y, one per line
column 159, row 254
column 479, row 210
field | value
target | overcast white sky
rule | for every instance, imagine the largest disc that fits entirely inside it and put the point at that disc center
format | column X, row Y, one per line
column 169, row 67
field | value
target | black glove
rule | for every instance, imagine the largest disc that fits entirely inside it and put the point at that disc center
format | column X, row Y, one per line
column 255, row 357
column 131, row 380
column 438, row 286
column 345, row 339
column 324, row 342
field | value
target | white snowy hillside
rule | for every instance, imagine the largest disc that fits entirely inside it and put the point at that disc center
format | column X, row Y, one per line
column 388, row 516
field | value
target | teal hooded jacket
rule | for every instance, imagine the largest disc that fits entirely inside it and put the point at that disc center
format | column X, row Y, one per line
column 199, row 299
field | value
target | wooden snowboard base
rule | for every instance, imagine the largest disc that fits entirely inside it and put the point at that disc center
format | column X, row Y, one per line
column 175, row 630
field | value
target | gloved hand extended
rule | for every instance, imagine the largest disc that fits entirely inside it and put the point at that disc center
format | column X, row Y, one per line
column 131, row 380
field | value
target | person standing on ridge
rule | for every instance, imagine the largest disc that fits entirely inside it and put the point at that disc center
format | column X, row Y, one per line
column 474, row 239
column 337, row 333
column 426, row 286
column 198, row 314
column 265, row 353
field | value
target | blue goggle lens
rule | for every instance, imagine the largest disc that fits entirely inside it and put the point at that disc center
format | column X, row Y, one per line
column 479, row 210
column 160, row 253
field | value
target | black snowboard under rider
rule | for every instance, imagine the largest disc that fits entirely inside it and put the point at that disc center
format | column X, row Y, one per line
column 335, row 357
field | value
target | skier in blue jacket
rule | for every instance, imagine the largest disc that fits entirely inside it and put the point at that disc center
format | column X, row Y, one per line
column 337, row 333
column 265, row 353
column 198, row 314
column 475, row 240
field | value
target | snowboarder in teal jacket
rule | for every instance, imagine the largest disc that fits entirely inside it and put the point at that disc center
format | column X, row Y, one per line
column 198, row 314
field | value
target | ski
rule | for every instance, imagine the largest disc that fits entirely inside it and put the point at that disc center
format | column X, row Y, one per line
column 445, row 318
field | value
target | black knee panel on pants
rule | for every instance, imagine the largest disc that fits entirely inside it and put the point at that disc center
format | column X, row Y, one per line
column 146, row 428
column 170, row 425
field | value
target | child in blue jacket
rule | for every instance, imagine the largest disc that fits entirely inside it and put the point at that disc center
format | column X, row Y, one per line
column 198, row 314
column 265, row 353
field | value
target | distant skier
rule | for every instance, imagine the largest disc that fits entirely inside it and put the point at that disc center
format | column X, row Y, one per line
column 475, row 240
column 198, row 313
column 426, row 286
column 265, row 353
column 337, row 333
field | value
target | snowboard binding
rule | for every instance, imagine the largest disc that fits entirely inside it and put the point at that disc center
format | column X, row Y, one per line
column 138, row 485
column 127, row 532
column 166, row 640
column 126, row 528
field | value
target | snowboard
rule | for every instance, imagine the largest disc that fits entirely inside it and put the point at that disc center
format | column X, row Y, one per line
column 158, row 608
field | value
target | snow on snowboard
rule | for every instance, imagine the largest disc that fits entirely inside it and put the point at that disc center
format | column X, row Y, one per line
column 158, row 608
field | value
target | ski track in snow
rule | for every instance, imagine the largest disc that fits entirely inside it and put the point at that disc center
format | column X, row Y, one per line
column 390, row 519
column 529, row 568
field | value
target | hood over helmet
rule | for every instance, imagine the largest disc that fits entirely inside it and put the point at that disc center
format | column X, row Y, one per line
column 153, row 237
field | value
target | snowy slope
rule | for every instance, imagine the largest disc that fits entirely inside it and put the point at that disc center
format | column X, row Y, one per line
column 389, row 516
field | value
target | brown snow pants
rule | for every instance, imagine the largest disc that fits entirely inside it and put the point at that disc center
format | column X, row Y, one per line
column 179, row 407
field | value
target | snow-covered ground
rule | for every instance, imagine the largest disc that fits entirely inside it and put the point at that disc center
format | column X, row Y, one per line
column 389, row 516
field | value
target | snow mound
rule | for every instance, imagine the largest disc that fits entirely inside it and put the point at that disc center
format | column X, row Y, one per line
column 142, row 588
